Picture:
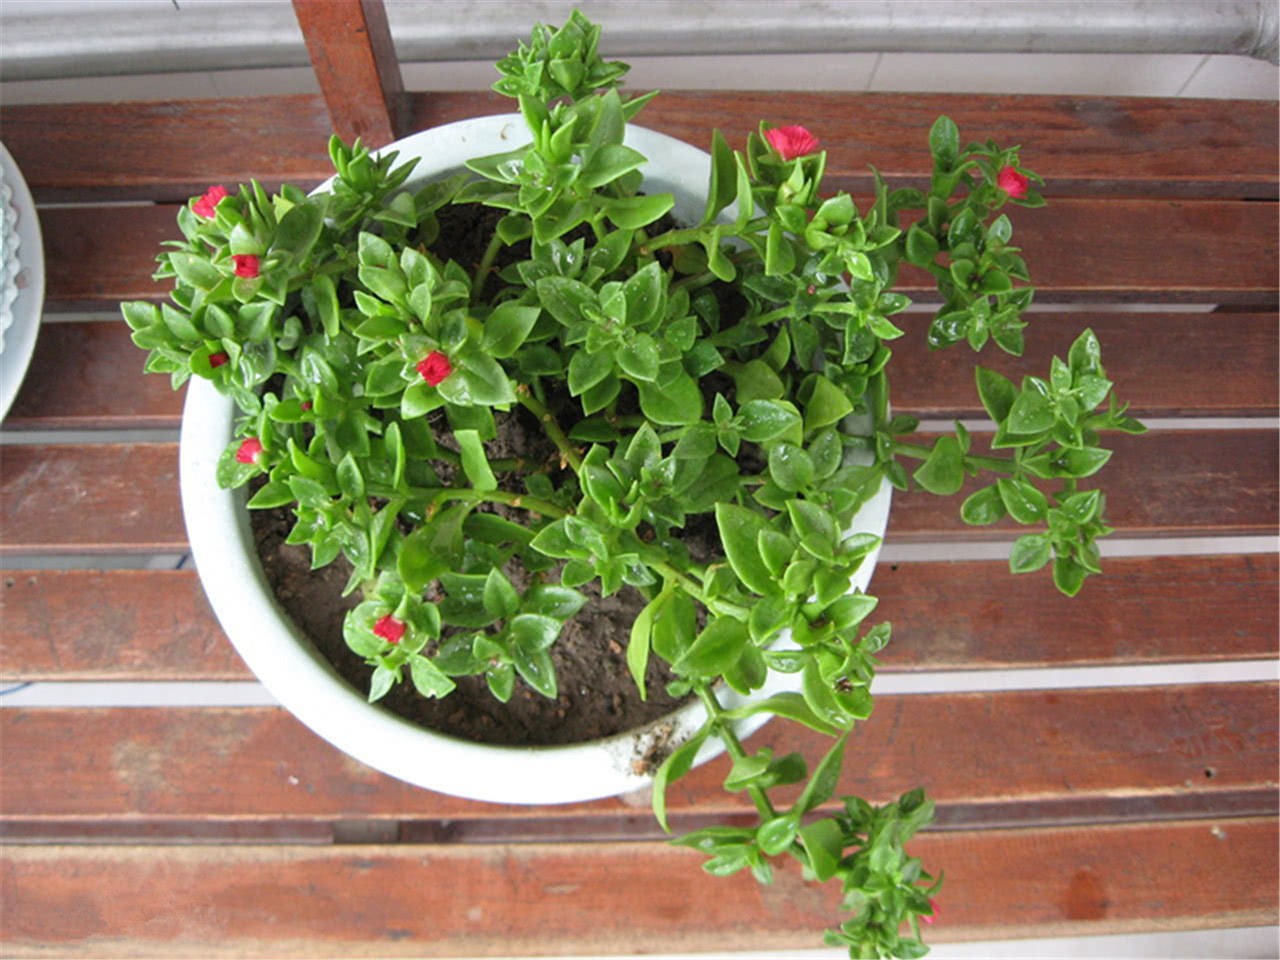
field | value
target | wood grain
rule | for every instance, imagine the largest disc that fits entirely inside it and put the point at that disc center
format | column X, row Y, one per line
column 63, row 498
column 96, row 498
column 157, row 625
column 540, row 899
column 1207, row 365
column 354, row 60
column 1202, row 747
column 1081, row 145
column 1084, row 251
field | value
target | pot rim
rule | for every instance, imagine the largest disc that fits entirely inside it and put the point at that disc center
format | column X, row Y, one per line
column 295, row 673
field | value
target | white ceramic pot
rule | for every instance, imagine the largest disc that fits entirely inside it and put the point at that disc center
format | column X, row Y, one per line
column 303, row 681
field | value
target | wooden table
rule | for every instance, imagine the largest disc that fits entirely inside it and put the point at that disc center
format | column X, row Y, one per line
column 1092, row 808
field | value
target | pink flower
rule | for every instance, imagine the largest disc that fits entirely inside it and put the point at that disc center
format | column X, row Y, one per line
column 791, row 142
column 932, row 915
column 207, row 205
column 246, row 265
column 1012, row 182
column 435, row 367
column 250, row 451
column 217, row 359
column 389, row 629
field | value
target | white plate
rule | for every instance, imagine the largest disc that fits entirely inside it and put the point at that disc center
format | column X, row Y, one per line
column 20, row 338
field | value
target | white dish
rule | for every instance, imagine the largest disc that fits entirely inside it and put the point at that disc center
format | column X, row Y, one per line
column 19, row 339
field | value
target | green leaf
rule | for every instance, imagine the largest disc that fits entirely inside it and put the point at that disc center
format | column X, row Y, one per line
column 716, row 649
column 500, row 598
column 678, row 763
column 474, row 461
column 671, row 402
column 507, row 327
column 429, row 679
column 774, row 836
column 983, row 507
column 789, row 706
column 433, row 549
column 640, row 641
column 790, row 467
column 639, row 358
column 298, row 231
column 632, row 213
column 823, row 841
column 1029, row 552
column 827, row 404
column 537, row 670
column 588, row 369
column 1068, row 575
column 740, row 530
column 824, row 780
column 1085, row 355
column 1032, row 412
column 530, row 632
column 997, row 393
column 815, row 528
column 944, row 143
column 942, row 472
column 1024, row 501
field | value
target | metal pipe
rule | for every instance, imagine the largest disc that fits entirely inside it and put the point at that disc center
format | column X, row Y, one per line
column 42, row 41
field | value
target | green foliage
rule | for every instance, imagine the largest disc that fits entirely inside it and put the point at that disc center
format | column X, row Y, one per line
column 732, row 369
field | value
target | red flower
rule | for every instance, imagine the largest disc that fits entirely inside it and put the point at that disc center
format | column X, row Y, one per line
column 1012, row 182
column 791, row 142
column 217, row 359
column 250, row 451
column 207, row 204
column 246, row 265
column 932, row 915
column 435, row 367
column 389, row 629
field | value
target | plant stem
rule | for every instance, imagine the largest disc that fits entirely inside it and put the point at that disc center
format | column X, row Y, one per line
column 1001, row 465
column 485, row 265
column 694, row 589
column 442, row 494
column 724, row 730
column 568, row 453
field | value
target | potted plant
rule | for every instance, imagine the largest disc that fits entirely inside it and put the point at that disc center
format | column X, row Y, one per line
column 565, row 359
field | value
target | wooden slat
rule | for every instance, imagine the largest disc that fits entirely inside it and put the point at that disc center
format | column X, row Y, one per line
column 75, row 499
column 354, row 59
column 157, row 625
column 1163, row 364
column 97, row 498
column 111, row 625
column 1208, row 365
column 984, row 756
column 571, row 898
column 1081, row 145
column 89, row 375
column 1079, row 250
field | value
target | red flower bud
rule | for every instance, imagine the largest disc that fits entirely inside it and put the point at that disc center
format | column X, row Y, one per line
column 1012, row 182
column 246, row 265
column 791, row 142
column 389, row 629
column 207, row 204
column 217, row 359
column 250, row 451
column 435, row 367
column 932, row 915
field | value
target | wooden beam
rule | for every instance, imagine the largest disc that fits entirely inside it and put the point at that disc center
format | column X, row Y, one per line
column 354, row 59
